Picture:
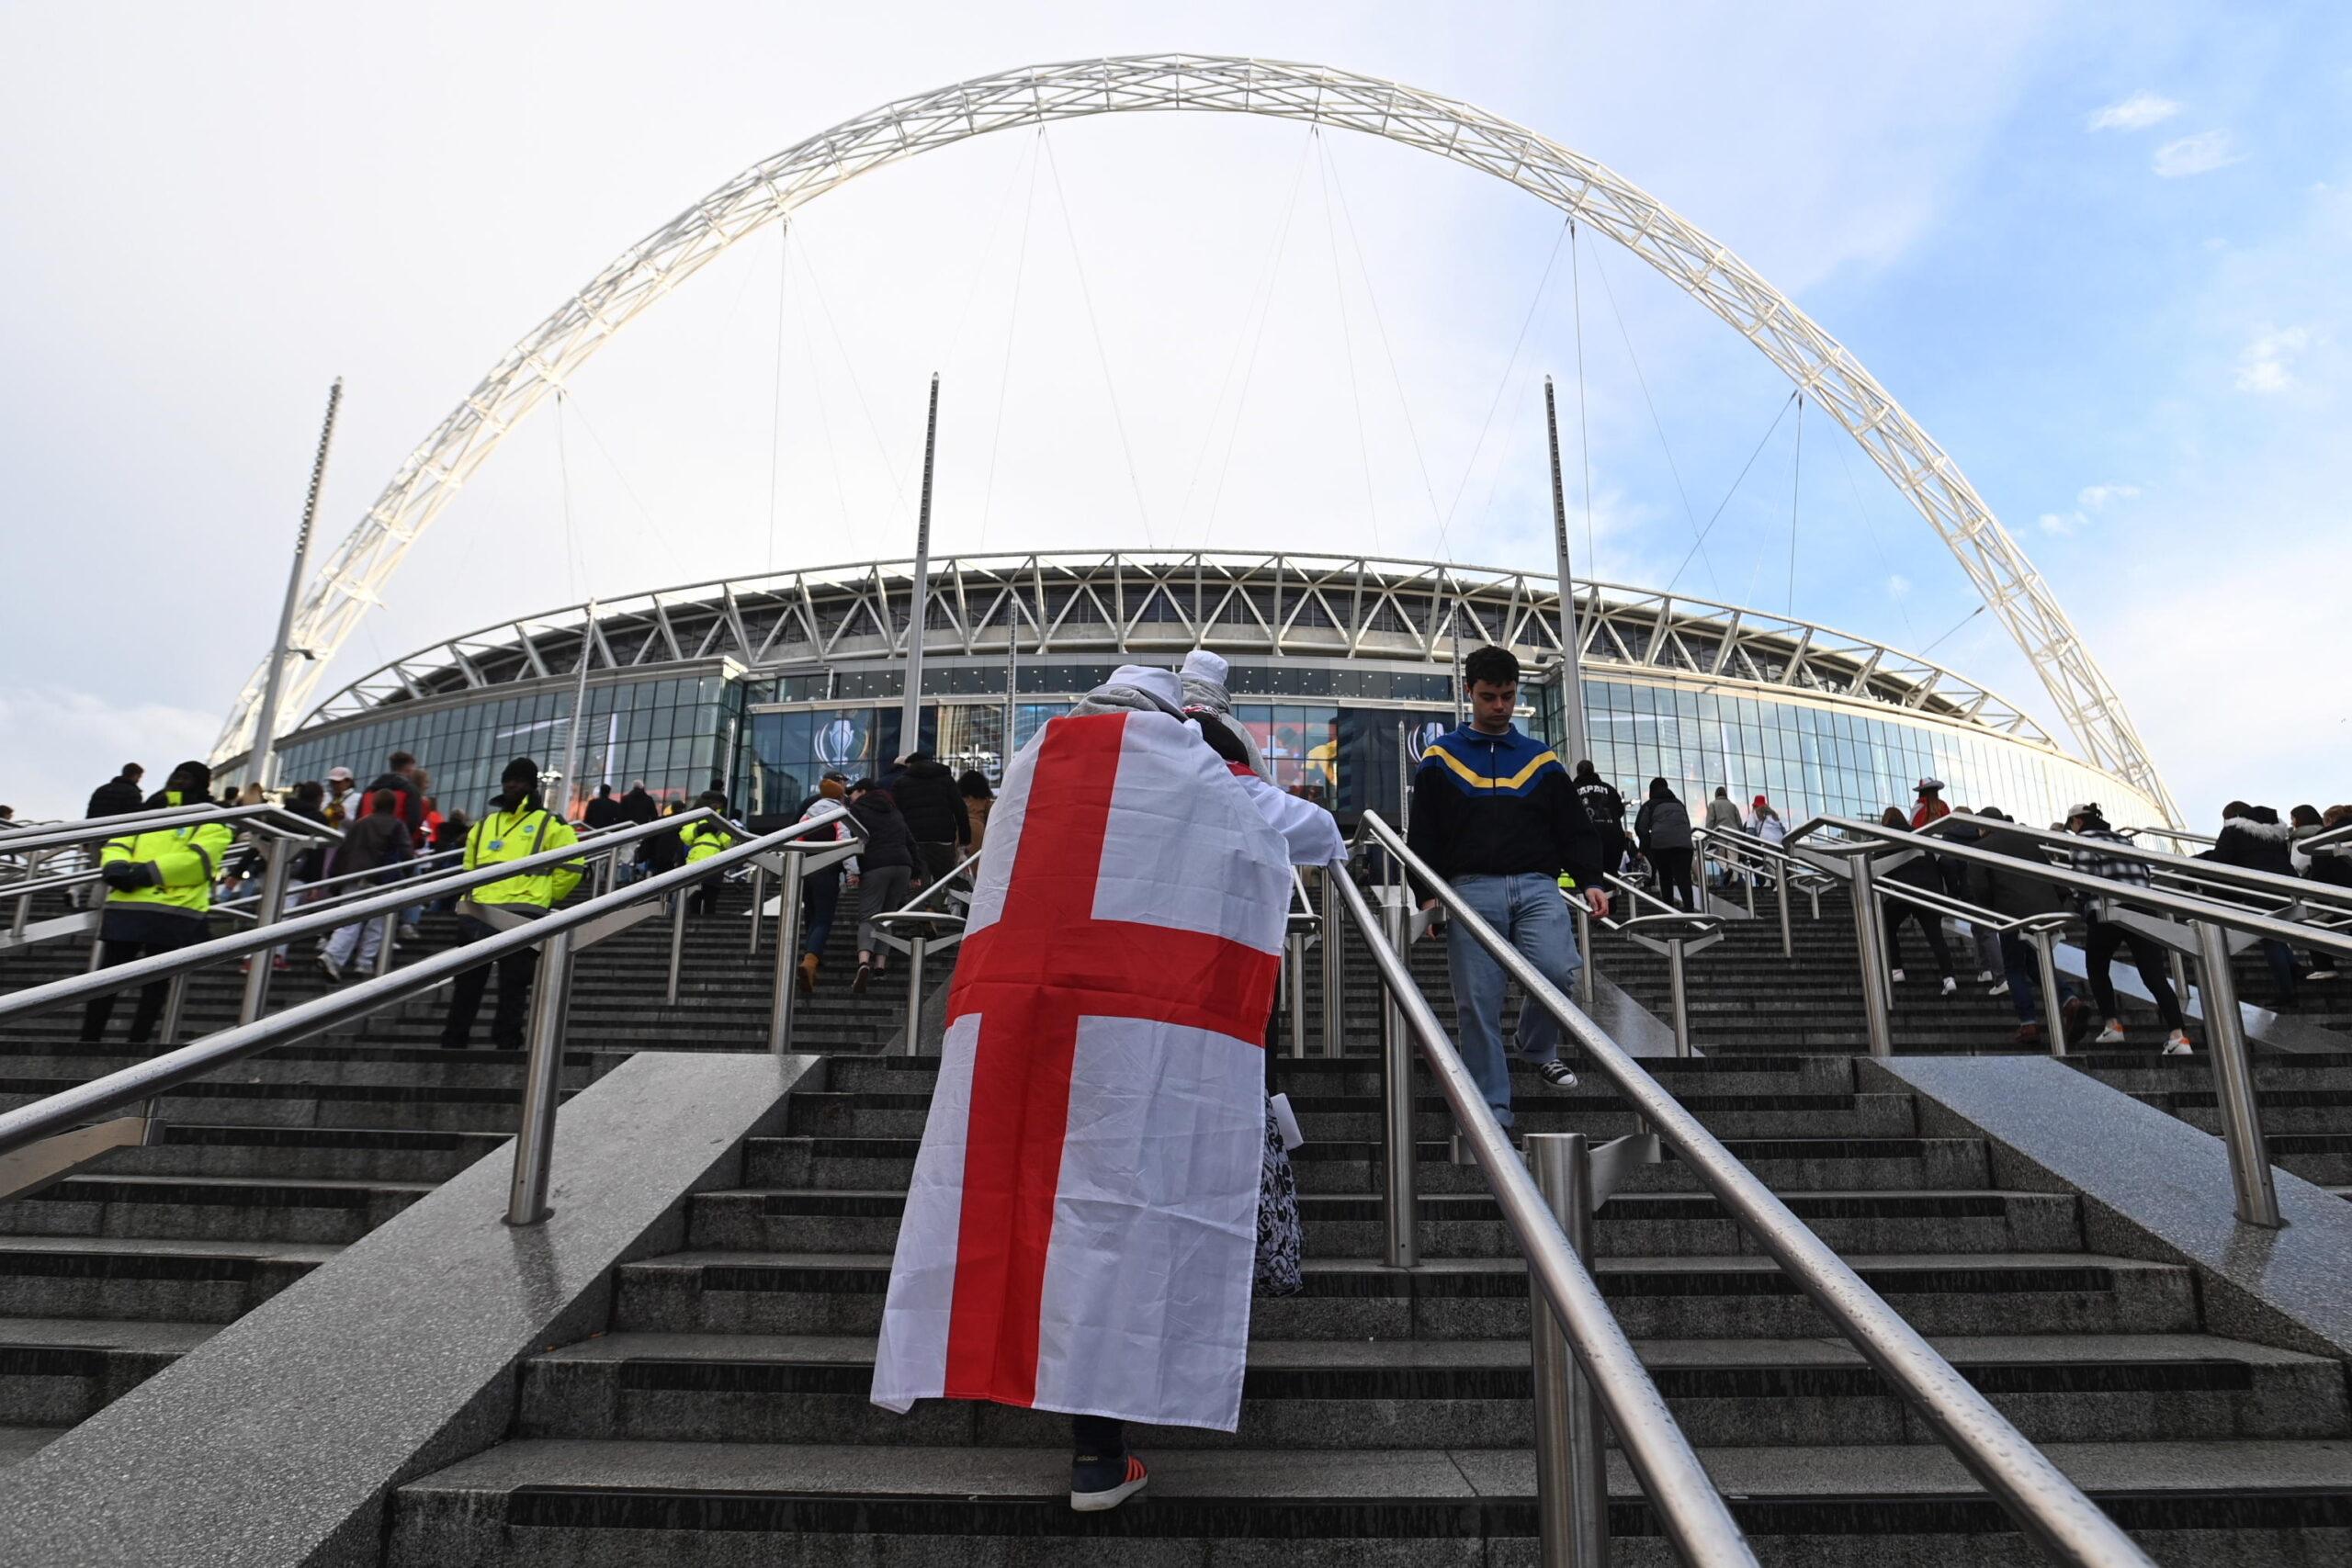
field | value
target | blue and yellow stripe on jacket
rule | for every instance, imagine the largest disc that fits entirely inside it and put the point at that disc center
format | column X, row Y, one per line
column 1493, row 764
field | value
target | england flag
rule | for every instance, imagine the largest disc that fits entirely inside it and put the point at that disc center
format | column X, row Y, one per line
column 1080, row 1227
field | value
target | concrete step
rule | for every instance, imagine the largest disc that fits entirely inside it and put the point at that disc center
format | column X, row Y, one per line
column 153, row 1279
column 210, row 1208
column 1419, row 1394
column 604, row 1505
column 226, row 1101
column 55, row 1371
column 1468, row 1225
column 305, row 1154
column 1475, row 1298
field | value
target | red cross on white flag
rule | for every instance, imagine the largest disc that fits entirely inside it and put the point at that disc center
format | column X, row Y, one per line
column 1080, row 1226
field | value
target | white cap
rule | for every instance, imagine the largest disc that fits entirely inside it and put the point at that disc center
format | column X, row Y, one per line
column 1160, row 685
column 1203, row 665
column 343, row 775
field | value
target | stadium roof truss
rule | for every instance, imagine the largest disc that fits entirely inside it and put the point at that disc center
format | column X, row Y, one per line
column 1151, row 606
column 351, row 580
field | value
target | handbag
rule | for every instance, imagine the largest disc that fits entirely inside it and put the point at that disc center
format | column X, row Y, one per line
column 1280, row 1238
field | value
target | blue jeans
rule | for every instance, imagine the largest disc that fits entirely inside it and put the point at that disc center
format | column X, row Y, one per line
column 1529, row 912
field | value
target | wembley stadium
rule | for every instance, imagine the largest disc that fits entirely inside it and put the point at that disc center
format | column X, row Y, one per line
column 1342, row 667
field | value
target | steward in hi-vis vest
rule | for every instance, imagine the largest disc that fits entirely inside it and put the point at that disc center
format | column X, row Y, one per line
column 516, row 826
column 158, row 890
column 703, row 839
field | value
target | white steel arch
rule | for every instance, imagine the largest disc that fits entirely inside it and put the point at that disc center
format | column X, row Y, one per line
column 347, row 583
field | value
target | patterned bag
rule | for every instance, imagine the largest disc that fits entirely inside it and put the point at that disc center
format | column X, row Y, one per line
column 1279, row 1237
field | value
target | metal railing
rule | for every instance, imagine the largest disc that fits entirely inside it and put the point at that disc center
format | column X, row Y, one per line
column 1746, row 855
column 1584, row 1369
column 1674, row 932
column 2191, row 927
column 2048, row 1508
column 918, row 931
column 49, row 1137
column 791, row 866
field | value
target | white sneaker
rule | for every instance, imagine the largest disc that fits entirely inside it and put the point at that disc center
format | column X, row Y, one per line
column 1983, row 976
column 1895, row 975
column 332, row 970
column 2112, row 1035
column 2321, row 974
column 2002, row 989
column 1951, row 985
column 2179, row 1045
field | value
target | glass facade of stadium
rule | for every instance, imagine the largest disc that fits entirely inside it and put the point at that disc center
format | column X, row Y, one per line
column 1342, row 668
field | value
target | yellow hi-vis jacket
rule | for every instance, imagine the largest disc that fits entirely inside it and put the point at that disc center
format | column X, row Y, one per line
column 515, row 835
column 704, row 840
column 189, row 858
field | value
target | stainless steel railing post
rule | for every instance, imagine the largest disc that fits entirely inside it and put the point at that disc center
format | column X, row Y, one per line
column 1584, row 951
column 2178, row 962
column 1295, row 988
column 677, row 940
column 1571, row 1463
column 277, row 859
column 759, row 897
column 1869, row 943
column 2258, row 1195
column 1678, row 979
column 1750, row 875
column 1400, row 1208
column 526, row 1194
column 1781, row 888
column 2053, row 999
column 918, row 949
column 384, row 942
column 1335, row 969
column 787, row 954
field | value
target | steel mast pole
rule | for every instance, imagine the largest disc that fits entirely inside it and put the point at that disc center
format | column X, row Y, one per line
column 1571, row 664
column 911, row 712
column 261, row 757
column 566, row 780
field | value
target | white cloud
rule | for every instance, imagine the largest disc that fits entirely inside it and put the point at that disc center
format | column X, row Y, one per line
column 2198, row 154
column 63, row 744
column 2093, row 498
column 2262, row 364
column 1898, row 586
column 2063, row 522
column 2141, row 110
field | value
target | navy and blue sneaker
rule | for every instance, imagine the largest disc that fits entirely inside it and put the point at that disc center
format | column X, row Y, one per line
column 1101, row 1483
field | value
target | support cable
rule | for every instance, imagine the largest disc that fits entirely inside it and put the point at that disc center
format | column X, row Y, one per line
column 775, row 392
column 1699, row 542
column 1101, row 355
column 1584, row 435
column 1262, row 305
column 1956, row 625
column 873, row 426
column 1796, row 482
column 1257, row 341
column 1012, row 333
column 1347, row 341
column 563, row 490
column 1502, row 382
column 1658, row 424
column 1380, row 324
column 660, row 534
column 1870, row 529
column 824, row 408
column 980, row 270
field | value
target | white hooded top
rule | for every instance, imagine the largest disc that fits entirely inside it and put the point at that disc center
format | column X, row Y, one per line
column 1202, row 678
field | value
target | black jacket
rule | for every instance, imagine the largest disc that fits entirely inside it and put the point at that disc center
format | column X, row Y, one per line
column 1501, row 805
column 931, row 805
column 884, row 831
column 116, row 797
column 638, row 806
column 604, row 811
column 2006, row 893
column 372, row 843
column 2256, row 841
column 1602, row 804
column 1663, row 823
column 412, row 804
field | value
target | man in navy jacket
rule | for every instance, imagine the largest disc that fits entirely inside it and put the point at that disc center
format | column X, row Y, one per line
column 1496, row 815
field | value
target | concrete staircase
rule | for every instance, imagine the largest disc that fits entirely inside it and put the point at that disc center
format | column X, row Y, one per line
column 722, row 1417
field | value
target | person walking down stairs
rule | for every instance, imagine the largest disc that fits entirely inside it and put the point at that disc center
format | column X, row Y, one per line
column 2106, row 936
column 379, row 840
column 701, row 840
column 515, row 828
column 1494, row 815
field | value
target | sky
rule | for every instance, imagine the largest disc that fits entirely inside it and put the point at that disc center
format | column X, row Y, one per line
column 2103, row 256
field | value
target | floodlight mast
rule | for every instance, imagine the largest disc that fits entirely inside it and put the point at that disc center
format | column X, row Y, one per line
column 1829, row 375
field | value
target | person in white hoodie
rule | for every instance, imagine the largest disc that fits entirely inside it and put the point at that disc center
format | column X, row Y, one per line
column 1202, row 680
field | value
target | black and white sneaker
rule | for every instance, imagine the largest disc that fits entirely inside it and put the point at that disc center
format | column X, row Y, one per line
column 330, row 968
column 1558, row 1075
column 1097, row 1486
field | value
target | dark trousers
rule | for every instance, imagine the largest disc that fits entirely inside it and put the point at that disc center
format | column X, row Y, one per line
column 1930, row 925
column 514, row 973
column 821, row 894
column 1613, row 847
column 1673, row 867
column 2147, row 956
column 1097, row 1436
column 2282, row 970
column 704, row 899
column 938, row 860
column 2023, row 972
column 128, row 933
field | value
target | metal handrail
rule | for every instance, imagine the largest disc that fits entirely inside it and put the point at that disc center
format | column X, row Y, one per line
column 145, row 1082
column 939, row 884
column 2049, row 1507
column 410, row 866
column 1684, row 1500
column 2212, row 876
column 274, row 820
column 239, row 944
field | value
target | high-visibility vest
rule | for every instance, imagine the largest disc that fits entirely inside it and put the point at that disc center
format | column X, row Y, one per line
column 704, row 840
column 517, row 835
column 189, row 858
